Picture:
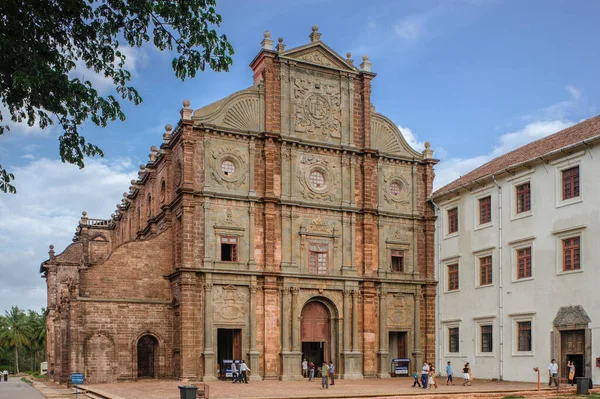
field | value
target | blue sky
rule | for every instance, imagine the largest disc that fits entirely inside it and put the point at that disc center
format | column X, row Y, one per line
column 476, row 78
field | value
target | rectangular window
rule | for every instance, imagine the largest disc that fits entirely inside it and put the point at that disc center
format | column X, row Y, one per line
column 317, row 259
column 453, row 277
column 524, row 262
column 571, row 254
column 570, row 183
column 523, row 198
column 453, row 346
column 486, row 339
column 485, row 210
column 485, row 270
column 229, row 251
column 524, row 339
column 452, row 220
column 397, row 261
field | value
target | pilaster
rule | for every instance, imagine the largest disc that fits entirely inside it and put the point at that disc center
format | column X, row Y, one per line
column 382, row 354
column 210, row 372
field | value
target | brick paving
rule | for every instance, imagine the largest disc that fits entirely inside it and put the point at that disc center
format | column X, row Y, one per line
column 348, row 389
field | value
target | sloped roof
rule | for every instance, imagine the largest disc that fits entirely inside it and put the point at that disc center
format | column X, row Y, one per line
column 532, row 151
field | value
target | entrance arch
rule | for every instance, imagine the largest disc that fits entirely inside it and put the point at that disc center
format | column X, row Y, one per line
column 147, row 350
column 316, row 332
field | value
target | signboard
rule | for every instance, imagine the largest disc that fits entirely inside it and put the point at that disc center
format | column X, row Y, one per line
column 401, row 370
column 401, row 360
column 44, row 368
column 76, row 378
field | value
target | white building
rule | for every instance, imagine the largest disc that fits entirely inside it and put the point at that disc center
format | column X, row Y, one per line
column 518, row 254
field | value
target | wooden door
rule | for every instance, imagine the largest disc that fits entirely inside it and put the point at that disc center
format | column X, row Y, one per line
column 572, row 346
column 315, row 323
column 237, row 344
column 402, row 345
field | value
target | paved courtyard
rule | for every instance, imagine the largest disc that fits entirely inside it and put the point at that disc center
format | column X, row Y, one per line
column 347, row 389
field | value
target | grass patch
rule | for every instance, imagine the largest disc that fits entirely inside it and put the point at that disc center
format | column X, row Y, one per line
column 26, row 380
column 513, row 397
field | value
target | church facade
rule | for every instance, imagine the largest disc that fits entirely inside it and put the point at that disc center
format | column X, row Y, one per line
column 286, row 221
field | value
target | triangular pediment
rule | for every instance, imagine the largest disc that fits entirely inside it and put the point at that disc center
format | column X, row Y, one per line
column 321, row 55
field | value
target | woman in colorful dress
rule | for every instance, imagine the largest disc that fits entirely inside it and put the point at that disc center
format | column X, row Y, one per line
column 571, row 366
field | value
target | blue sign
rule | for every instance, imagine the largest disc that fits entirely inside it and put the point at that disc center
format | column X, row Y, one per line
column 76, row 378
column 404, row 360
column 401, row 370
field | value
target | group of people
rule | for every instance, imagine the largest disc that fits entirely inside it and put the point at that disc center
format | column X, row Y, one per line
column 553, row 372
column 4, row 374
column 327, row 372
column 240, row 375
column 428, row 378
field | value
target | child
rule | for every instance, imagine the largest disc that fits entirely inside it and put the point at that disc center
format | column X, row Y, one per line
column 416, row 377
column 466, row 374
column 431, row 380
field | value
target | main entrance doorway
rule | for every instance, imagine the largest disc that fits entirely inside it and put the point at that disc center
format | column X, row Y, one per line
column 572, row 349
column 229, row 344
column 315, row 333
column 146, row 353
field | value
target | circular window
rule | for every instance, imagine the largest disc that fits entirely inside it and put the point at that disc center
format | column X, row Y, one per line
column 395, row 188
column 228, row 168
column 316, row 178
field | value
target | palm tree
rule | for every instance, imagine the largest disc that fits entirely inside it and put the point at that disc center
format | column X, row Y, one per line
column 15, row 332
column 37, row 337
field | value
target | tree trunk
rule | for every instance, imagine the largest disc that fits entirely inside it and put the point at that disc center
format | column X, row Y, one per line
column 17, row 359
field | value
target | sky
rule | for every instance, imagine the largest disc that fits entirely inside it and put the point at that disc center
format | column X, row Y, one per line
column 476, row 78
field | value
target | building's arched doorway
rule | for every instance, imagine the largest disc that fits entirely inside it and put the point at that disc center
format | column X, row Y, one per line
column 315, row 331
column 146, row 356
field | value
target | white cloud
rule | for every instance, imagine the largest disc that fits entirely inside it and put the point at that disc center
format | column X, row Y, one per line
column 411, row 138
column 411, row 28
column 51, row 196
column 452, row 168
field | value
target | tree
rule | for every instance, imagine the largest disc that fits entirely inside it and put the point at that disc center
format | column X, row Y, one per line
column 37, row 335
column 41, row 42
column 15, row 332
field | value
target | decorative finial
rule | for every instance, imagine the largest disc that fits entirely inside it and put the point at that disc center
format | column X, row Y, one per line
column 133, row 182
column 427, row 152
column 186, row 112
column 315, row 36
column 84, row 213
column 51, row 252
column 349, row 59
column 366, row 65
column 348, row 55
column 267, row 43
column 51, row 247
column 280, row 46
column 168, row 127
column 186, row 103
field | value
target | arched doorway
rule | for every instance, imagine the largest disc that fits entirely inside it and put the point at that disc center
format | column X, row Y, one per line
column 146, row 356
column 315, row 332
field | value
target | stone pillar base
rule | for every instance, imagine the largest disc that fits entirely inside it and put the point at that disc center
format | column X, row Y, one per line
column 382, row 359
column 291, row 366
column 352, row 366
column 253, row 357
column 210, row 372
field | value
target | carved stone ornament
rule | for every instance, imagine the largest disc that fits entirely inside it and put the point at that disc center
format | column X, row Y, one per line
column 398, row 310
column 178, row 174
column 396, row 189
column 316, row 57
column 400, row 236
column 229, row 156
column 571, row 315
column 311, row 166
column 317, row 106
column 230, row 303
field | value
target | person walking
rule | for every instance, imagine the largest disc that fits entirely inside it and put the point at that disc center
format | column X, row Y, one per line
column 430, row 379
column 244, row 370
column 424, row 374
column 434, row 373
column 331, row 372
column 571, row 366
column 233, row 372
column 416, row 377
column 311, row 371
column 5, row 373
column 553, row 373
column 325, row 376
column 304, row 368
column 449, row 374
column 466, row 375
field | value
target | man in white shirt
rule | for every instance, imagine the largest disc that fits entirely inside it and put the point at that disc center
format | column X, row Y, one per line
column 233, row 372
column 424, row 374
column 244, row 370
column 553, row 373
column 304, row 368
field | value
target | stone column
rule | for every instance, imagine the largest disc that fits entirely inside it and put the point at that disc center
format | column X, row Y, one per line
column 352, row 165
column 253, row 355
column 251, row 152
column 290, row 361
column 210, row 371
column 207, row 235
column 295, row 320
column 382, row 354
column 418, row 353
column 351, row 356
column 293, row 168
column 251, row 261
column 355, row 294
column 285, row 320
column 347, row 323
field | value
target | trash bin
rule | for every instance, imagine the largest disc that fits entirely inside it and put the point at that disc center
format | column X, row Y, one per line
column 189, row 391
column 583, row 385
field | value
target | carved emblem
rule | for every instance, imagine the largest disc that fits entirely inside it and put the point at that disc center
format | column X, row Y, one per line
column 398, row 310
column 401, row 236
column 324, row 175
column 317, row 57
column 319, row 225
column 230, row 303
column 396, row 189
column 571, row 315
column 317, row 106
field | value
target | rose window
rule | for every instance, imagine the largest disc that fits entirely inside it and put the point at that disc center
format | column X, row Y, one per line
column 228, row 168
column 316, row 178
column 395, row 188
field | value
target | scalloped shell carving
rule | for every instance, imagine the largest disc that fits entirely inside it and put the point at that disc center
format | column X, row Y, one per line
column 243, row 115
column 387, row 138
